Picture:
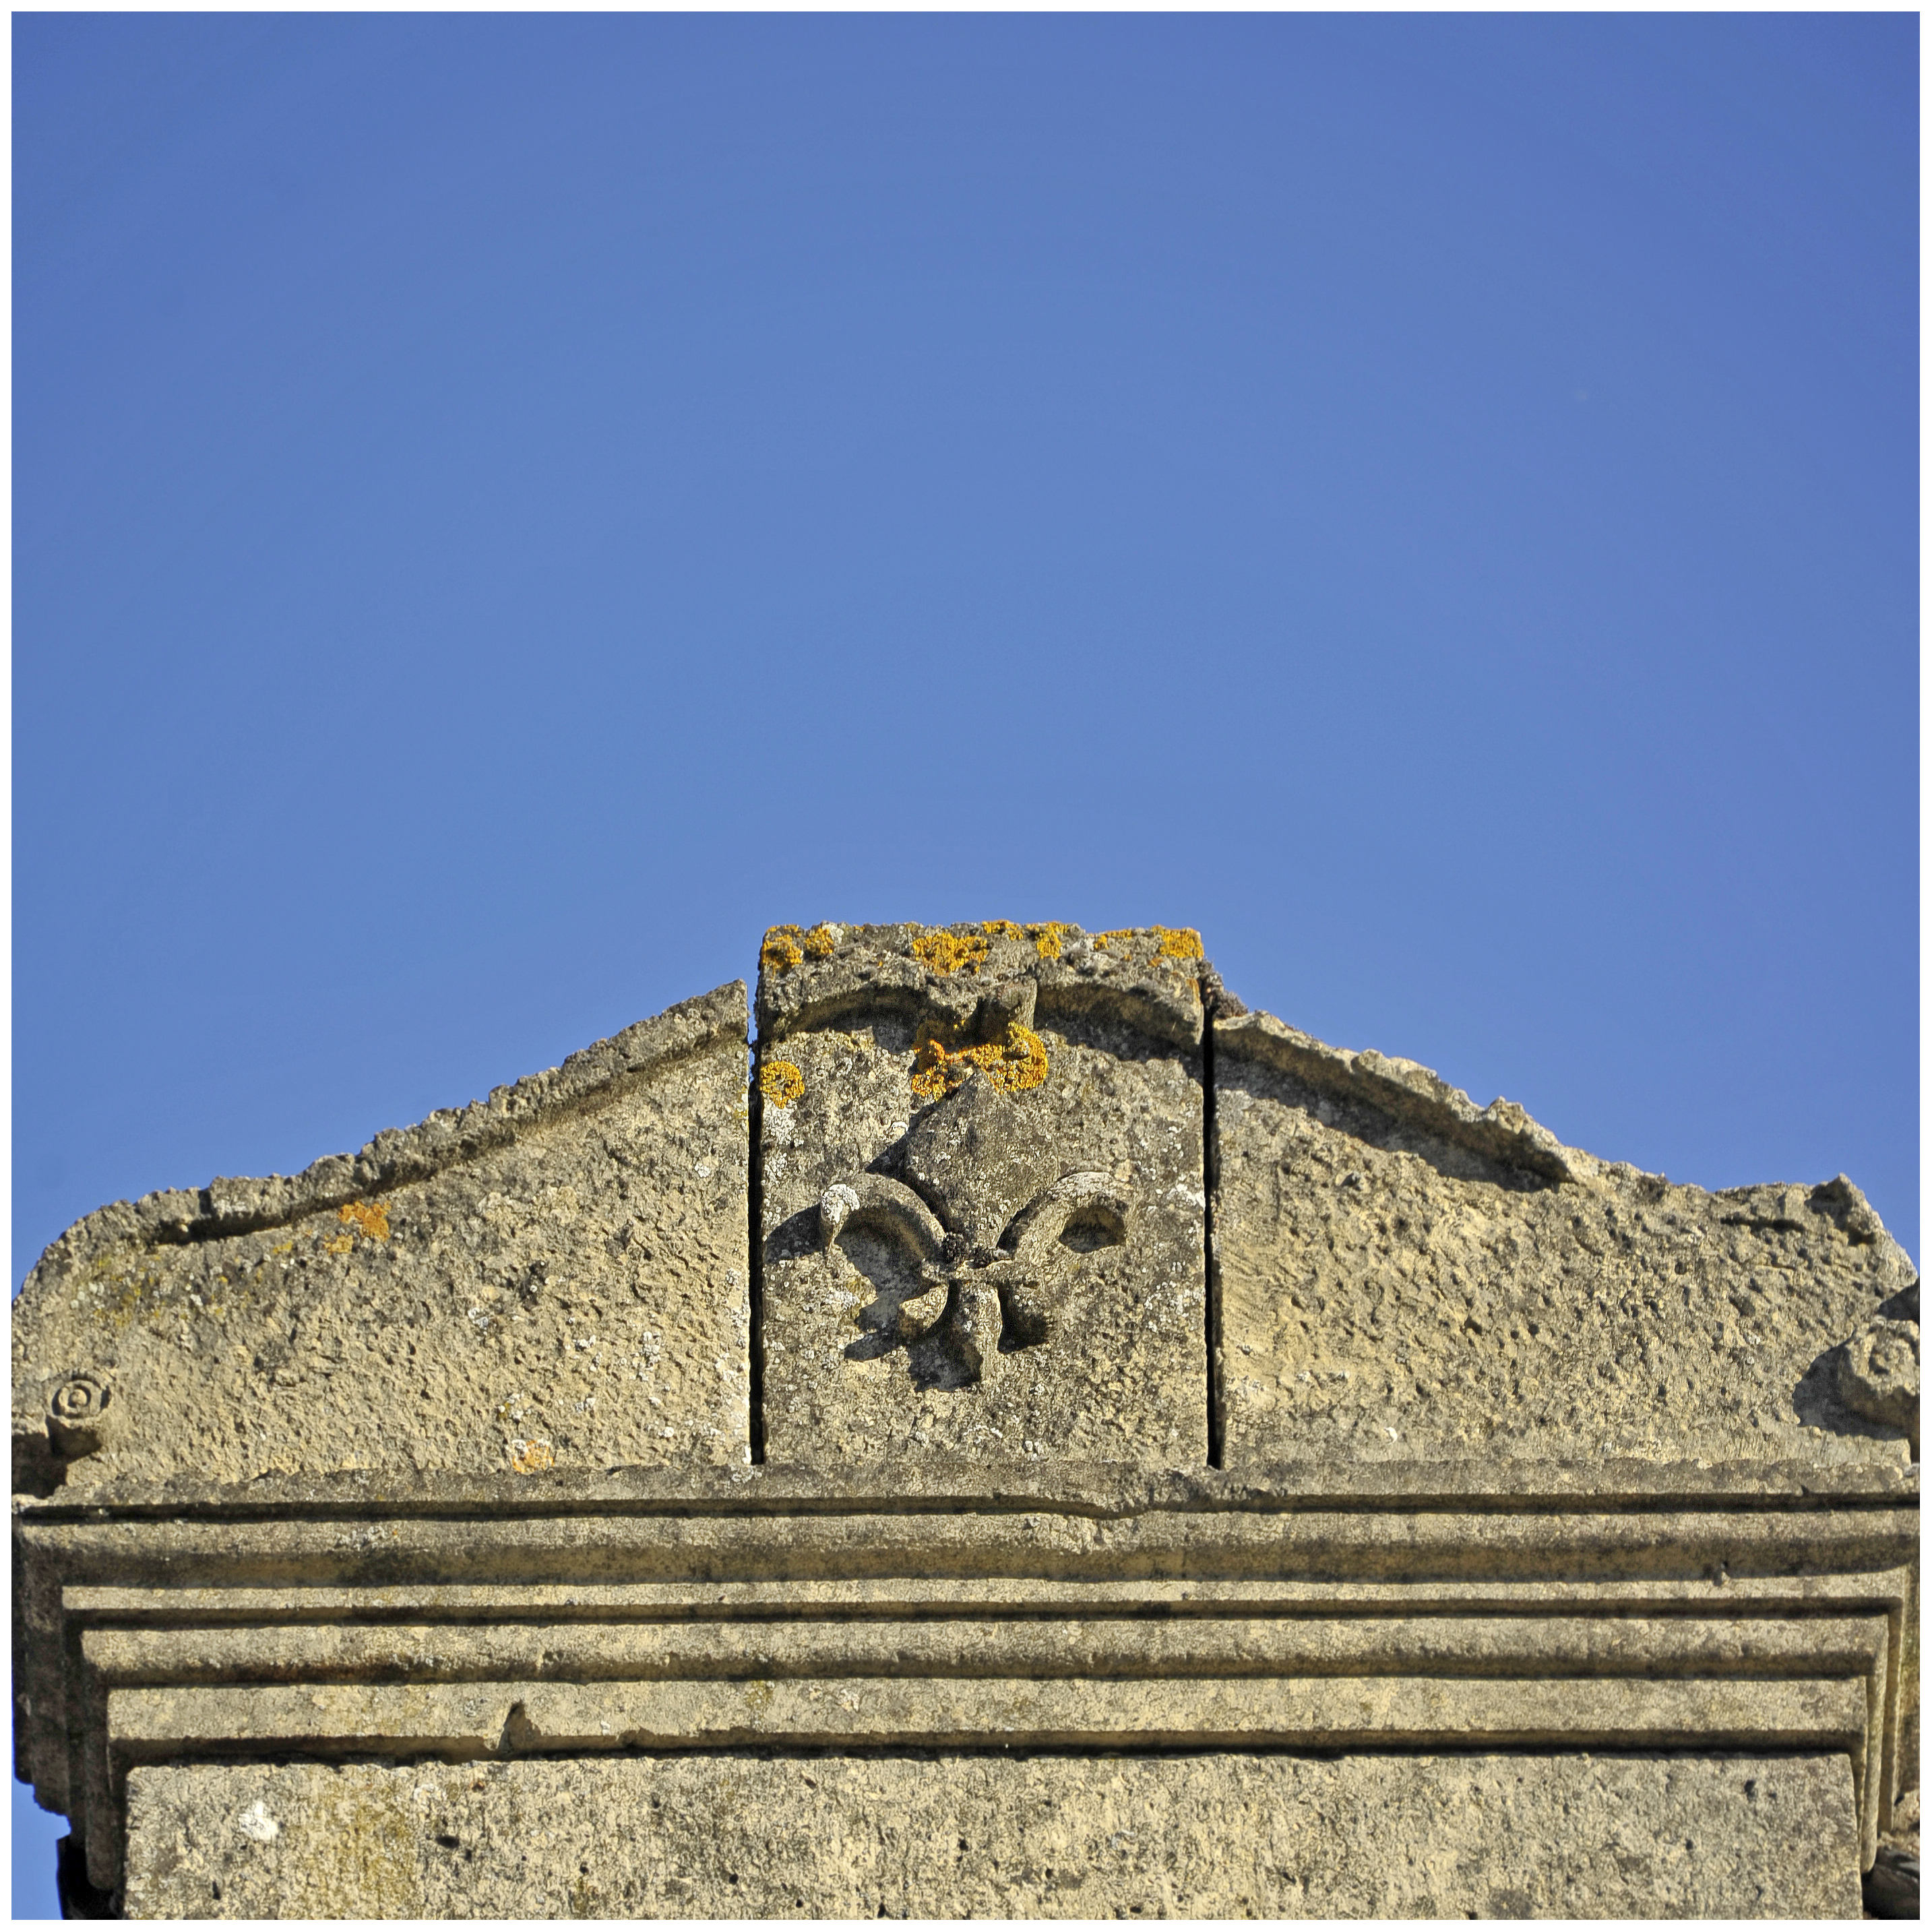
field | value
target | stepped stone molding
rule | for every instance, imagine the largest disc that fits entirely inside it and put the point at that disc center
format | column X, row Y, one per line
column 1049, row 1442
column 787, row 1619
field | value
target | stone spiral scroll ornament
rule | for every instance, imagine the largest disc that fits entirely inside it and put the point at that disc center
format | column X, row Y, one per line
column 77, row 1414
column 1878, row 1374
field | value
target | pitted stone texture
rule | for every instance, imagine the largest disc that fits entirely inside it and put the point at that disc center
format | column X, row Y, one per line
column 1009, row 1271
column 1213, row 1835
column 1394, row 1285
column 1148, row 977
column 556, row 1278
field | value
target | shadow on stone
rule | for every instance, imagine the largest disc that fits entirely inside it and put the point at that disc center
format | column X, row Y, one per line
column 1891, row 1886
column 78, row 1899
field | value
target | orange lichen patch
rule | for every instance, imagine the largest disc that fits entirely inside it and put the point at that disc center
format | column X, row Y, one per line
column 340, row 1245
column 1013, row 1066
column 1000, row 928
column 1178, row 942
column 946, row 952
column 820, row 941
column 1106, row 940
column 780, row 1082
column 781, row 951
column 527, row 1458
column 371, row 1217
column 1047, row 938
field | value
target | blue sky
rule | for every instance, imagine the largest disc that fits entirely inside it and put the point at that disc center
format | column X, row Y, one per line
column 507, row 507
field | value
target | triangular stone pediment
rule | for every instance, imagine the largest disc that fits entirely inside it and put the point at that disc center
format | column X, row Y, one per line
column 1014, row 1353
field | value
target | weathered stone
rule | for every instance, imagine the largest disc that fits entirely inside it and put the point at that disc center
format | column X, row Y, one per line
column 1891, row 1884
column 1402, row 1278
column 925, row 1836
column 1490, row 1529
column 1147, row 980
column 982, row 1209
column 1878, row 1374
column 690, row 1613
column 557, row 1276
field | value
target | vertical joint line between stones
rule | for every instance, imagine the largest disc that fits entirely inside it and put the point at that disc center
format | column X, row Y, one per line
column 1211, row 1179
column 754, row 1257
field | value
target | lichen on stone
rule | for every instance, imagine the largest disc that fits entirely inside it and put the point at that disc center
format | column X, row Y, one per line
column 1047, row 938
column 780, row 1082
column 946, row 952
column 781, row 950
column 371, row 1217
column 1000, row 928
column 821, row 941
column 1012, row 1066
column 1178, row 942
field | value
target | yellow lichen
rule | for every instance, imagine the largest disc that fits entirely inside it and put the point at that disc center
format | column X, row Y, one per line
column 527, row 1458
column 340, row 1245
column 1106, row 940
column 371, row 1217
column 946, row 952
column 781, row 951
column 1012, row 1066
column 1047, row 938
column 1000, row 928
column 820, row 941
column 781, row 1082
column 1178, row 942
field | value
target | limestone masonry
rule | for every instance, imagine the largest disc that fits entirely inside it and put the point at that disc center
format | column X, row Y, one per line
column 1027, row 1437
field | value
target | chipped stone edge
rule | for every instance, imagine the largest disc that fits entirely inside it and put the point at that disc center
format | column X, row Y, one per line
column 1405, row 1090
column 398, row 1156
column 1166, row 1007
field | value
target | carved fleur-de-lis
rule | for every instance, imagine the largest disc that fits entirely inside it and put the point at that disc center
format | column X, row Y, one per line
column 1002, row 1292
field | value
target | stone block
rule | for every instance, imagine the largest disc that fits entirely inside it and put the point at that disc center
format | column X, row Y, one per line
column 557, row 1277
column 927, row 1835
column 981, row 1195
column 1402, row 1279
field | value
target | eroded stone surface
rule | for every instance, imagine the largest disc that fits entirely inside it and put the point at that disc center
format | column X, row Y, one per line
column 1521, row 1448
column 982, row 1206
column 1398, row 1281
column 1212, row 1835
column 557, row 1277
column 1147, row 978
